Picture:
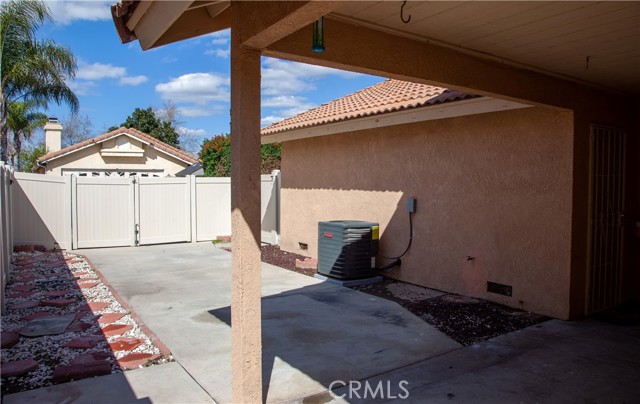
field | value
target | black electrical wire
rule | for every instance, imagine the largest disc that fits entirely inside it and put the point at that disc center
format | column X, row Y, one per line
column 397, row 259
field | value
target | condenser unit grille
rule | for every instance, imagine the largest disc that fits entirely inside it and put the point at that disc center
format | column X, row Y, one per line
column 347, row 248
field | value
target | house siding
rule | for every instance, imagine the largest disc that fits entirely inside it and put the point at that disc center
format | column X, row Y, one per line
column 496, row 187
column 89, row 158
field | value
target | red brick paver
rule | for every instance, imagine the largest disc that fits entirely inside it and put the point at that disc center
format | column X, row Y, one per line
column 83, row 366
column 19, row 367
column 25, row 305
column 22, row 295
column 116, row 329
column 78, row 326
column 24, row 288
column 94, row 306
column 59, row 293
column 109, row 318
column 57, row 302
column 84, row 342
column 135, row 360
column 9, row 339
column 38, row 314
column 125, row 344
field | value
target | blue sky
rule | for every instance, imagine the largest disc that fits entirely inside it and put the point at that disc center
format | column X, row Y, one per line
column 113, row 79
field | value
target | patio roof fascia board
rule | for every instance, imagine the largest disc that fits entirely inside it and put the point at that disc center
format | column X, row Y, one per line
column 195, row 22
column 274, row 20
column 156, row 19
column 270, row 20
column 472, row 106
column 451, row 69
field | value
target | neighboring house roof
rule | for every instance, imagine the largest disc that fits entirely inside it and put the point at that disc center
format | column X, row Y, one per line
column 143, row 137
column 388, row 96
column 195, row 169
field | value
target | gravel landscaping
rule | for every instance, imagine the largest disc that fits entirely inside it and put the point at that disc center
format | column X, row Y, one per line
column 63, row 322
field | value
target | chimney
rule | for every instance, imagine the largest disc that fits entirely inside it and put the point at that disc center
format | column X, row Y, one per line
column 53, row 135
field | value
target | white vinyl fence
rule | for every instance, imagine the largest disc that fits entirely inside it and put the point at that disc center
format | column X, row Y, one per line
column 86, row 212
column 6, row 234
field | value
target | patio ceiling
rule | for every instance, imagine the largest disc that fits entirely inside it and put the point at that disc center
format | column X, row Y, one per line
column 589, row 42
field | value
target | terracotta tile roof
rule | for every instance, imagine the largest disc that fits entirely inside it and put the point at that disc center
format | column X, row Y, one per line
column 180, row 154
column 388, row 96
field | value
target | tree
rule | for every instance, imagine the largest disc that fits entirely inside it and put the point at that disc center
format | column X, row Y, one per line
column 216, row 156
column 145, row 120
column 31, row 70
column 270, row 154
column 22, row 120
column 29, row 156
column 76, row 129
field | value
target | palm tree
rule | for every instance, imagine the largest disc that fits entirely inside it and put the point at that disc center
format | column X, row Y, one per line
column 31, row 70
column 22, row 120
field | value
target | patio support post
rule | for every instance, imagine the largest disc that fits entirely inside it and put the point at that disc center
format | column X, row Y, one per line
column 246, row 333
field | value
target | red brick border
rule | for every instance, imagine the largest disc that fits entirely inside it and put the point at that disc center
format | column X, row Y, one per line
column 164, row 350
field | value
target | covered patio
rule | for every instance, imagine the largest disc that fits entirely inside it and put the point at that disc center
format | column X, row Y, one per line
column 578, row 58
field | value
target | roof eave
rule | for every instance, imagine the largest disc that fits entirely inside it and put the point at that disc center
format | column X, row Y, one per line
column 472, row 106
column 120, row 13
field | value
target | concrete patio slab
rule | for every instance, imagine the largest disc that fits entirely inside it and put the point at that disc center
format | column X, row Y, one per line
column 584, row 361
column 313, row 332
column 167, row 383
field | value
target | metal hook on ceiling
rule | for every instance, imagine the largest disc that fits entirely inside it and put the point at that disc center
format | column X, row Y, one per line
column 402, row 13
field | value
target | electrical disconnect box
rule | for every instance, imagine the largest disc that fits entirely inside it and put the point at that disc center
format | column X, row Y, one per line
column 411, row 205
column 347, row 248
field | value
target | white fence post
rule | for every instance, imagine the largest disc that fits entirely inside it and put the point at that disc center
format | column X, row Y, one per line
column 6, row 227
column 67, row 207
column 276, row 195
column 74, row 211
column 194, row 208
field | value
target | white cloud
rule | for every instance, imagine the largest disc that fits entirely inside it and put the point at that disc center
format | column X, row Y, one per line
column 182, row 131
column 198, row 88
column 65, row 11
column 82, row 87
column 98, row 71
column 221, row 53
column 220, row 37
column 283, row 101
column 197, row 112
column 268, row 120
column 295, row 110
column 89, row 73
column 281, row 77
column 284, row 81
column 132, row 80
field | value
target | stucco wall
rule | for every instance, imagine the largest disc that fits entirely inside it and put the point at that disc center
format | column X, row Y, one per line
column 496, row 187
column 90, row 158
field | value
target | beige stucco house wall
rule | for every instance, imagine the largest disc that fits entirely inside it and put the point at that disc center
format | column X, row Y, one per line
column 121, row 152
column 495, row 187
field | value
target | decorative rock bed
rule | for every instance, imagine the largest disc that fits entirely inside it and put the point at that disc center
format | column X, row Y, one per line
column 63, row 322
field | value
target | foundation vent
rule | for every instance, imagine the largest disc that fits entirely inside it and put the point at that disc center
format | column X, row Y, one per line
column 499, row 289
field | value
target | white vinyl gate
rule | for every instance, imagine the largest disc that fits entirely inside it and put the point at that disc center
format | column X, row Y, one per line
column 89, row 212
column 163, row 210
column 103, row 212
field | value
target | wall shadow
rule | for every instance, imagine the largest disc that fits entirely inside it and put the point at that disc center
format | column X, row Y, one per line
column 29, row 227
